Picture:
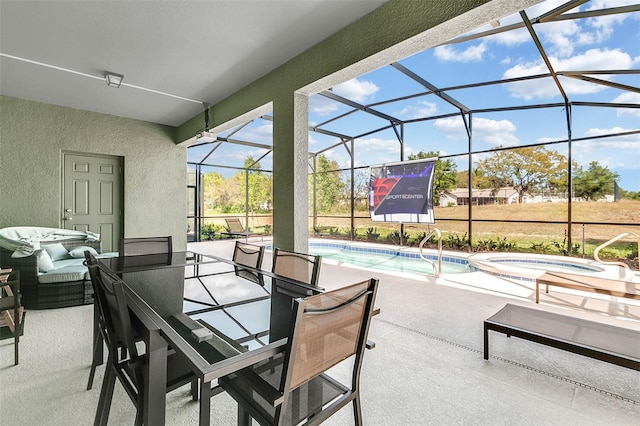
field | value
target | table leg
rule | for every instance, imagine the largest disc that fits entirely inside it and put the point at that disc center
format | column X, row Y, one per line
column 486, row 342
column 537, row 291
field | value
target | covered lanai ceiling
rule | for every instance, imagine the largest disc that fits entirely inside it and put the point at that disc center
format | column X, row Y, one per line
column 174, row 55
column 555, row 57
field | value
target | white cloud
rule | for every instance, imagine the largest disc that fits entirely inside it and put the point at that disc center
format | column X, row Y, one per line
column 593, row 59
column 602, row 26
column 559, row 38
column 511, row 38
column 420, row 110
column 494, row 132
column 356, row 90
column 631, row 142
column 470, row 54
column 383, row 149
column 261, row 134
column 547, row 139
column 628, row 98
column 321, row 105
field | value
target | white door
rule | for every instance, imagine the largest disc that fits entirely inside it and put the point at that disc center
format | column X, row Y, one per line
column 92, row 196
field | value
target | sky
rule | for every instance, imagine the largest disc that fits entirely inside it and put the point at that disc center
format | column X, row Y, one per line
column 610, row 42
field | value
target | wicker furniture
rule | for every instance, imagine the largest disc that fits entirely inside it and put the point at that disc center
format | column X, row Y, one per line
column 66, row 284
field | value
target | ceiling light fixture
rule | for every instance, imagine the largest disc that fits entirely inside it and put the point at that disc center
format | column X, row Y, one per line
column 113, row 79
column 205, row 137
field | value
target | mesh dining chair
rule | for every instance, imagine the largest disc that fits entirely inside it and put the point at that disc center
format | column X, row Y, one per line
column 298, row 266
column 293, row 387
column 145, row 245
column 248, row 255
column 125, row 362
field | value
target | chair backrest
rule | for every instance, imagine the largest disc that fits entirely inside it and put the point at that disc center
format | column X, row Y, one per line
column 115, row 321
column 298, row 266
column 248, row 255
column 326, row 329
column 145, row 245
column 234, row 224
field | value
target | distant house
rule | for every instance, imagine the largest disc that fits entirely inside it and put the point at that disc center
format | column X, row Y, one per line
column 481, row 197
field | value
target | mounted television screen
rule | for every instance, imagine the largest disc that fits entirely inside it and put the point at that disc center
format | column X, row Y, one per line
column 402, row 192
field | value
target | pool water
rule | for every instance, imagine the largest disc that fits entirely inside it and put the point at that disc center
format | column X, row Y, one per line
column 389, row 260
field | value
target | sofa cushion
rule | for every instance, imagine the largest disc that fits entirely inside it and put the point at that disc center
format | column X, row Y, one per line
column 45, row 264
column 65, row 274
column 78, row 252
column 56, row 251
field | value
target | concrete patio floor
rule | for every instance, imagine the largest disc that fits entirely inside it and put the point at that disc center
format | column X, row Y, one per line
column 427, row 367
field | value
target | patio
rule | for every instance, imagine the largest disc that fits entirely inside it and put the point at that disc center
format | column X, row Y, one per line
column 427, row 367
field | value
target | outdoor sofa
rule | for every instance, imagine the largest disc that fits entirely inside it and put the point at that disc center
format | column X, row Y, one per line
column 50, row 261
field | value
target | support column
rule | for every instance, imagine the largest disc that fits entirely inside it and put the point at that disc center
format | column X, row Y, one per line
column 290, row 172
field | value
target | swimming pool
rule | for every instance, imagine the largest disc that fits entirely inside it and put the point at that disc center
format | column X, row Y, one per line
column 512, row 266
column 528, row 267
column 388, row 259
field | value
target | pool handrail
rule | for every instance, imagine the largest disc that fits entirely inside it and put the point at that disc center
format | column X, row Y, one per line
column 611, row 241
column 437, row 269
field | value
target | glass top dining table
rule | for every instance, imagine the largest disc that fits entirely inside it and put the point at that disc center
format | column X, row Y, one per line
column 221, row 316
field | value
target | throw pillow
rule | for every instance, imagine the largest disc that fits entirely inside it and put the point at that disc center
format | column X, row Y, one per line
column 56, row 251
column 44, row 261
column 78, row 252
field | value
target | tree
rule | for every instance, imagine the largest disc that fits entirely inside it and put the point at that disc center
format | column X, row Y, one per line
column 593, row 183
column 259, row 186
column 218, row 194
column 360, row 188
column 478, row 181
column 329, row 186
column 524, row 169
column 445, row 175
column 630, row 195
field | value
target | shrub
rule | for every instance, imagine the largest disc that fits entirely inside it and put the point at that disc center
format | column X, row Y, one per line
column 454, row 241
column 208, row 231
column 372, row 234
column 394, row 237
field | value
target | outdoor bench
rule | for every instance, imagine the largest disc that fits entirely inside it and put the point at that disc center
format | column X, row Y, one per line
column 605, row 342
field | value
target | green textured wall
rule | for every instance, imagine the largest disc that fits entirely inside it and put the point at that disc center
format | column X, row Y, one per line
column 32, row 138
